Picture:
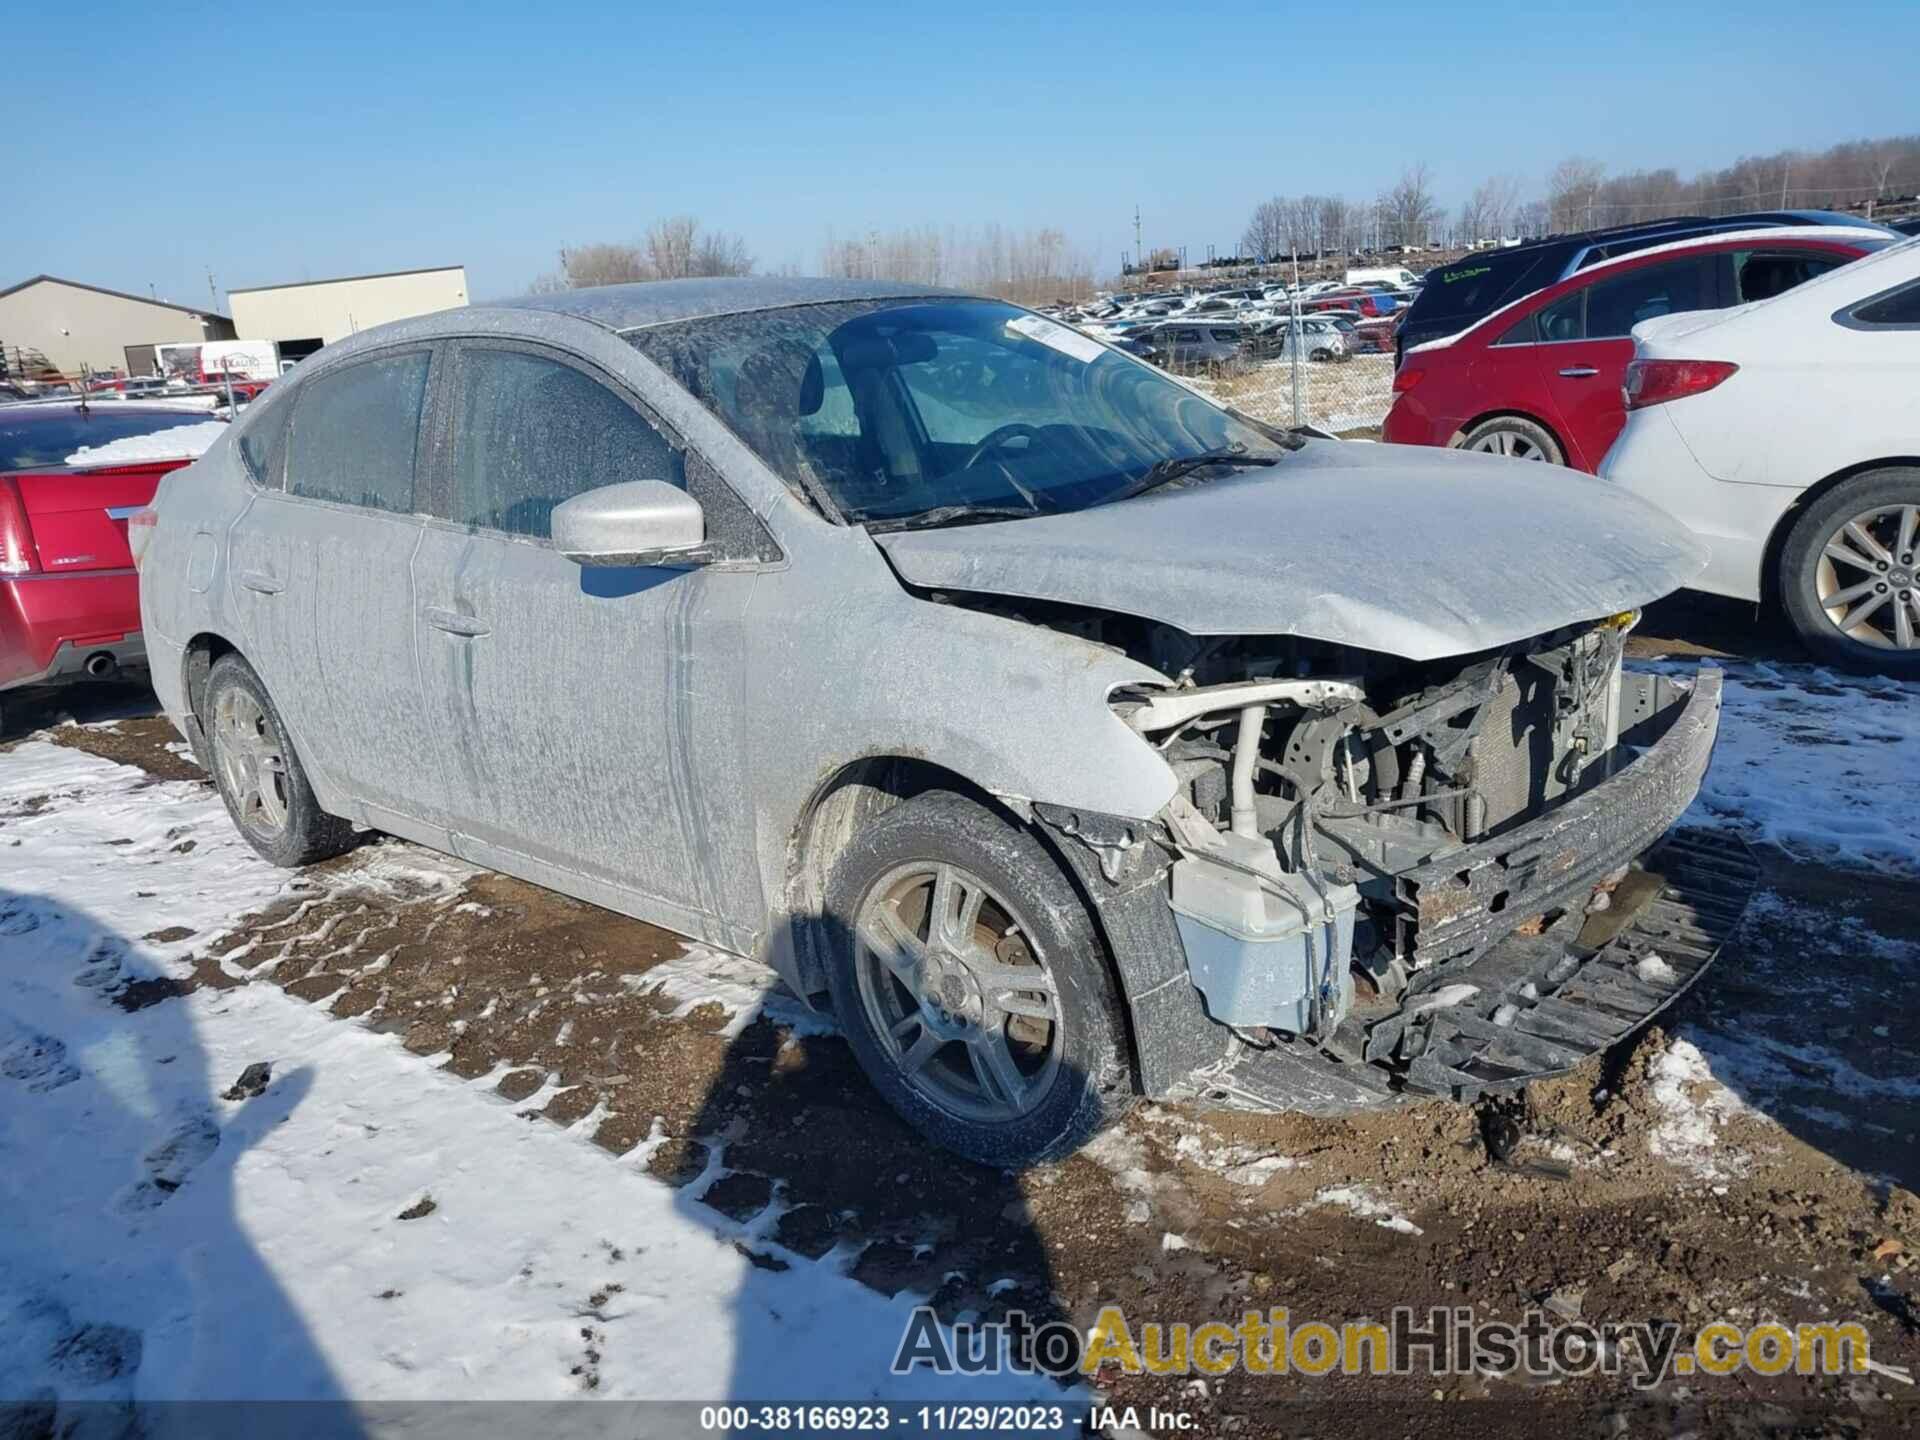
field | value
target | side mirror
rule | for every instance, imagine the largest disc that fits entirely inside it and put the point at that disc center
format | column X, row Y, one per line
column 640, row 522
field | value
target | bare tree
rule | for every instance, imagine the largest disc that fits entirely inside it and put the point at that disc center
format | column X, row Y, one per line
column 719, row 253
column 603, row 264
column 671, row 249
column 1572, row 190
column 1266, row 234
column 670, row 246
column 1408, row 209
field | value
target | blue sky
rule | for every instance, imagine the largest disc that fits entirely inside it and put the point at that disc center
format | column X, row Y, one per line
column 273, row 143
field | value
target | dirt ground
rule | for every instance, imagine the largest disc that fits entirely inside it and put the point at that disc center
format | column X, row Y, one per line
column 1795, row 1201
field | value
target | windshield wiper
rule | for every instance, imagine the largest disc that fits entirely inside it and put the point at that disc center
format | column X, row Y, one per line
column 951, row 514
column 1165, row 472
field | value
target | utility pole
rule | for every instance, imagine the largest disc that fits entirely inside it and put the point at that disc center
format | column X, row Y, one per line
column 1137, row 250
column 213, row 291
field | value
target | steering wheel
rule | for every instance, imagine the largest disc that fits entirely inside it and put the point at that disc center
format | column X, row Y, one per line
column 995, row 440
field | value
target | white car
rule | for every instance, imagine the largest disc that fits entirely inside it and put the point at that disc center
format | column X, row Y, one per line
column 1786, row 435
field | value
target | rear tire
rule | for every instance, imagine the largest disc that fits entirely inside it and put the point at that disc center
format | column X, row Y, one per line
column 259, row 776
column 1516, row 437
column 1850, row 574
column 999, row 1035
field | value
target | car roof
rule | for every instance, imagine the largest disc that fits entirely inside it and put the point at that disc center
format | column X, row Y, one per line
column 15, row 410
column 659, row 302
column 1838, row 289
column 1634, row 259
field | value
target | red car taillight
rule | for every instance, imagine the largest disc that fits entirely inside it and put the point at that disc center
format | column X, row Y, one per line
column 18, row 554
column 140, row 531
column 1654, row 382
column 1407, row 378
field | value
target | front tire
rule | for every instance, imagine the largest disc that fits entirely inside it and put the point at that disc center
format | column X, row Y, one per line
column 1516, row 437
column 972, row 985
column 1850, row 574
column 258, row 774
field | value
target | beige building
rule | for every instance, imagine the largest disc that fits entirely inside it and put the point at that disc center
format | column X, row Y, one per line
column 75, row 325
column 302, row 317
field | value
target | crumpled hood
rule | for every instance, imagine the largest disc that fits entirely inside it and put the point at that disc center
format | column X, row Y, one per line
column 1411, row 552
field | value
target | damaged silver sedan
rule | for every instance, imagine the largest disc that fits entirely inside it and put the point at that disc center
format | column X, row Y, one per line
column 1074, row 738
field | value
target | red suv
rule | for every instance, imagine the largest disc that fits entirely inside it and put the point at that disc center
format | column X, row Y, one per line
column 69, row 597
column 1541, row 379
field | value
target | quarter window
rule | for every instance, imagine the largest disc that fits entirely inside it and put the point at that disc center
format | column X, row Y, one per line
column 1521, row 332
column 355, row 432
column 532, row 431
column 1565, row 319
column 260, row 437
column 1896, row 307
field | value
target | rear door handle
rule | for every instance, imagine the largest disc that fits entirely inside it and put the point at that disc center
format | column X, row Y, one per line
column 454, row 623
column 262, row 582
column 1579, row 372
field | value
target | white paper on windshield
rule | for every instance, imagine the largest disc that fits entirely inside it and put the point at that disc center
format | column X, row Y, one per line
column 1058, row 337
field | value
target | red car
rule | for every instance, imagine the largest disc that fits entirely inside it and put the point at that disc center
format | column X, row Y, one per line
column 1541, row 379
column 1370, row 303
column 69, row 597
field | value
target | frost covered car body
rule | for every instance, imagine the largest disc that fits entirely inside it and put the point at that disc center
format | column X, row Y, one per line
column 1079, row 738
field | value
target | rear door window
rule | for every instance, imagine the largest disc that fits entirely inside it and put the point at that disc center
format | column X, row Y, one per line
column 531, row 430
column 1763, row 274
column 1616, row 305
column 356, row 432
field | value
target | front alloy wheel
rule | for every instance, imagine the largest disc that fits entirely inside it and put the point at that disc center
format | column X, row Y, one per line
column 972, row 982
column 951, row 984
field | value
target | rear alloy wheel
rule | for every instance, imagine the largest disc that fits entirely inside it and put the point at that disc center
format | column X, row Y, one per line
column 972, row 985
column 1850, row 574
column 1515, row 438
column 259, row 776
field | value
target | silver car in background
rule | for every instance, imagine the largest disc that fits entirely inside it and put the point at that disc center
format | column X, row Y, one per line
column 1073, row 737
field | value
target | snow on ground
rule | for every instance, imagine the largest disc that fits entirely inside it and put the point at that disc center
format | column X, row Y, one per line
column 1817, row 762
column 747, row 990
column 1693, row 1107
column 1362, row 1201
column 367, row 1225
column 183, row 442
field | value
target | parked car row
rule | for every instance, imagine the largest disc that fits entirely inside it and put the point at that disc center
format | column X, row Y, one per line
column 1757, row 382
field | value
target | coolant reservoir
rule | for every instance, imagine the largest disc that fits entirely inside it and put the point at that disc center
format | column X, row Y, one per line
column 1262, row 948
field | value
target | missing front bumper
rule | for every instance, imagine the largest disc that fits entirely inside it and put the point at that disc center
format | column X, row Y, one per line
column 1492, row 1008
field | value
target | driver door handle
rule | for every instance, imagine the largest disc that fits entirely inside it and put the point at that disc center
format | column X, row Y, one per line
column 1579, row 372
column 261, row 582
column 454, row 623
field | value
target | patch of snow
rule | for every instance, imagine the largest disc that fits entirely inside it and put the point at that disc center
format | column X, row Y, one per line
column 1123, row 1155
column 1654, row 969
column 1810, row 760
column 1692, row 1107
column 1362, row 1201
column 746, row 990
column 182, row 442
column 1240, row 1164
column 193, row 1247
